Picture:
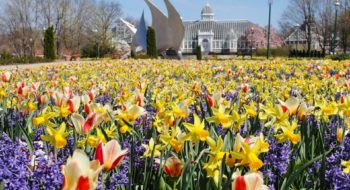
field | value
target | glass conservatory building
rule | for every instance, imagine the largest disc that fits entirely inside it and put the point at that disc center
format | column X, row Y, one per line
column 220, row 37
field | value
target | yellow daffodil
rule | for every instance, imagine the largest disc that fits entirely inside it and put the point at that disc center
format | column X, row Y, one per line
column 221, row 117
column 56, row 137
column 130, row 114
column 247, row 153
column 346, row 164
column 44, row 118
column 151, row 148
column 276, row 115
column 180, row 110
column 288, row 133
column 250, row 110
column 175, row 140
column 196, row 130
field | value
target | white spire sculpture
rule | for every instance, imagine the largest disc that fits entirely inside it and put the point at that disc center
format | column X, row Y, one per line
column 139, row 40
column 169, row 30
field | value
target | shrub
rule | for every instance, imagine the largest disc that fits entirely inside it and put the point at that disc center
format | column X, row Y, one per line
column 96, row 50
column 339, row 57
column 275, row 52
column 49, row 44
column 151, row 43
column 199, row 53
column 17, row 60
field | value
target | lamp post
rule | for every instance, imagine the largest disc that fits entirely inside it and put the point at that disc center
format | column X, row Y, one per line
column 334, row 44
column 269, row 30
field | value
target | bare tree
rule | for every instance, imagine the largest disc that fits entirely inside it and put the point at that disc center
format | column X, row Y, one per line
column 344, row 30
column 24, row 22
column 21, row 19
column 325, row 21
column 105, row 15
column 301, row 12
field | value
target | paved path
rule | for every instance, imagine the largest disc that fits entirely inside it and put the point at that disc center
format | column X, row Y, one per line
column 32, row 65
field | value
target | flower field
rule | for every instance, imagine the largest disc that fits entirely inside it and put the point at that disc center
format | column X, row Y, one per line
column 149, row 124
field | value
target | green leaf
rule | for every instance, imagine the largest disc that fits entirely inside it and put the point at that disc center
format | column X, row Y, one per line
column 28, row 139
column 2, row 185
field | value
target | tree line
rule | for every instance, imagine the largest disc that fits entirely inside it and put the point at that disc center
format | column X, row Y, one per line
column 317, row 18
column 77, row 25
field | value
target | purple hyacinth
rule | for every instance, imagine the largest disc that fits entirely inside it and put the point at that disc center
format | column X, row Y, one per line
column 144, row 122
column 221, row 131
column 14, row 117
column 47, row 172
column 103, row 99
column 276, row 161
column 335, row 177
column 14, row 158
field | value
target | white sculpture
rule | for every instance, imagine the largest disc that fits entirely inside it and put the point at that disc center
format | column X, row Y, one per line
column 139, row 40
column 169, row 30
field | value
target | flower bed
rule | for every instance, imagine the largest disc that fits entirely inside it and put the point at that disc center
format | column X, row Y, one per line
column 176, row 125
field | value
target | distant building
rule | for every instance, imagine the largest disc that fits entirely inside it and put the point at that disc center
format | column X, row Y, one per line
column 122, row 35
column 214, row 36
column 298, row 39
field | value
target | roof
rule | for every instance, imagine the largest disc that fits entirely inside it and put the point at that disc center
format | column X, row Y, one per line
column 221, row 29
column 207, row 10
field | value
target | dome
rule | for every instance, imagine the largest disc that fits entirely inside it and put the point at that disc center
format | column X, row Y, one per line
column 207, row 10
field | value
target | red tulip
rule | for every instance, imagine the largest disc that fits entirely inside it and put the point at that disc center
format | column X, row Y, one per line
column 6, row 76
column 110, row 155
column 211, row 101
column 80, row 173
column 173, row 167
column 250, row 181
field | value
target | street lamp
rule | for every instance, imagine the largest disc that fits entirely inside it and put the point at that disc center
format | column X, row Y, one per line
column 269, row 30
column 334, row 44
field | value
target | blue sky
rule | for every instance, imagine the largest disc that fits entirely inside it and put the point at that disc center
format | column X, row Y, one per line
column 253, row 10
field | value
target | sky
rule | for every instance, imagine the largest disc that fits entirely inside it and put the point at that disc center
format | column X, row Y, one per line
column 255, row 11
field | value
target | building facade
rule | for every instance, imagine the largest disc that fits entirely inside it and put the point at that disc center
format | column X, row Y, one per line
column 298, row 39
column 221, row 37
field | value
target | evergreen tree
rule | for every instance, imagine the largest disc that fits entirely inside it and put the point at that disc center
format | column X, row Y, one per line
column 151, row 43
column 49, row 44
column 199, row 53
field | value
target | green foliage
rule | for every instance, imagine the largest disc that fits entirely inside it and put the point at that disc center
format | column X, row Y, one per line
column 303, row 53
column 199, row 53
column 7, row 59
column 339, row 57
column 275, row 52
column 49, row 44
column 96, row 50
column 151, row 43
